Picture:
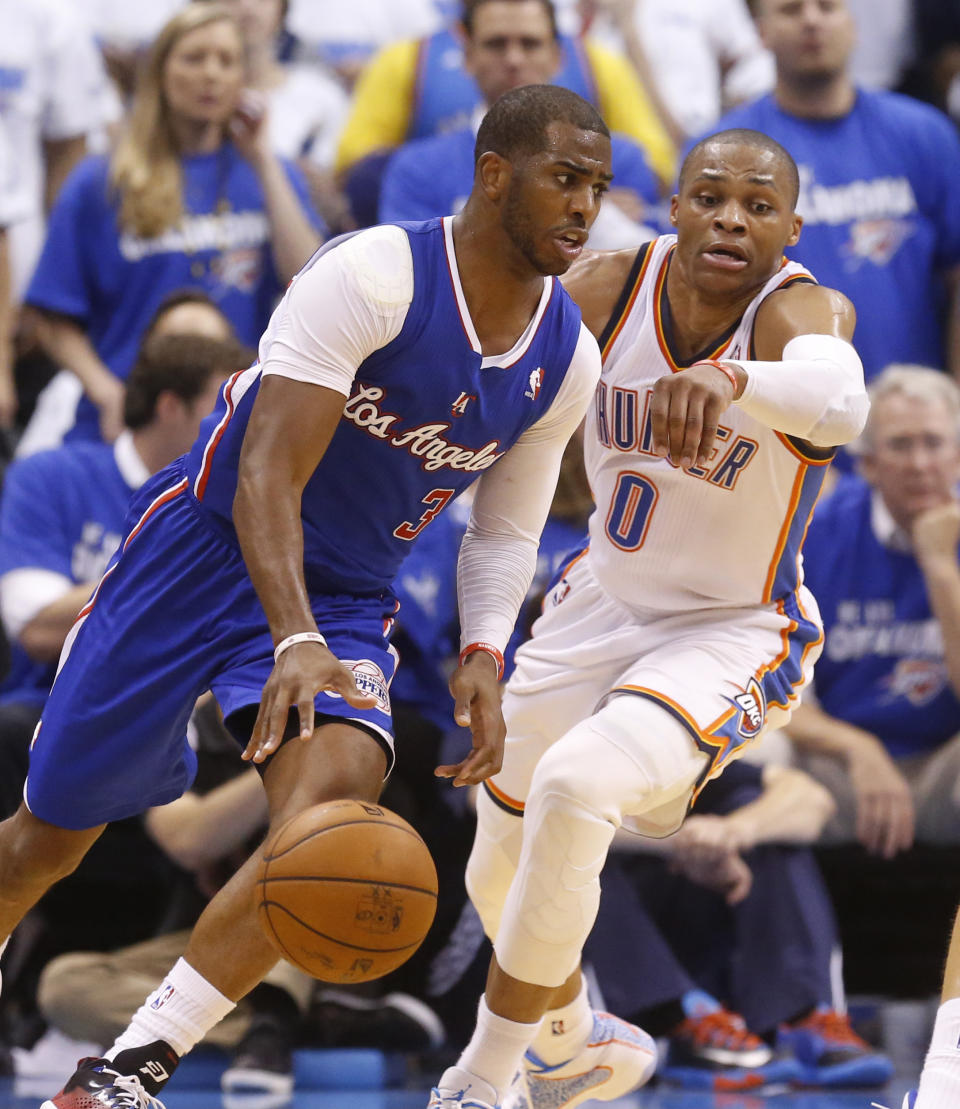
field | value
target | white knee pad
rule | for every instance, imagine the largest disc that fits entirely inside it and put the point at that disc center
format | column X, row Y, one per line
column 493, row 860
column 629, row 757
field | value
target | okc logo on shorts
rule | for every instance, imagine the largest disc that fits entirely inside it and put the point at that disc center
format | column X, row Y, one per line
column 163, row 997
column 753, row 709
column 370, row 679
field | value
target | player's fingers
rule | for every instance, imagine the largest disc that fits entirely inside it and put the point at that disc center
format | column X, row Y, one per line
column 677, row 424
column 345, row 684
column 448, row 770
column 305, row 712
column 692, row 433
column 461, row 706
column 659, row 413
column 708, row 433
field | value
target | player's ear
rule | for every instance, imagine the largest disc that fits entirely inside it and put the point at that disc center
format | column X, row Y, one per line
column 674, row 208
column 493, row 174
column 794, row 235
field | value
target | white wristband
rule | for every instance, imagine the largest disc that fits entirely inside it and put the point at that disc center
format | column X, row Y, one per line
column 300, row 637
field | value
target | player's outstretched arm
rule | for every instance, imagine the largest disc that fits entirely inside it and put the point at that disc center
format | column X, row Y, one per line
column 290, row 427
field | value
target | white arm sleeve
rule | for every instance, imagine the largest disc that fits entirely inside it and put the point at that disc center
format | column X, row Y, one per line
column 26, row 592
column 498, row 555
column 349, row 302
column 816, row 392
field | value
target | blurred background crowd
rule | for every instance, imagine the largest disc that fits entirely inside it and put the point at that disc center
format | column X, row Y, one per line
column 165, row 169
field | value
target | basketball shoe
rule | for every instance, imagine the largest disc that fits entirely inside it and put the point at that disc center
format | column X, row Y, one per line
column 831, row 1053
column 96, row 1085
column 468, row 1098
column 619, row 1058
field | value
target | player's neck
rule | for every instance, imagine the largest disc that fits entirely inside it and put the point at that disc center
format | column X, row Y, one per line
column 502, row 290
column 821, row 97
column 698, row 320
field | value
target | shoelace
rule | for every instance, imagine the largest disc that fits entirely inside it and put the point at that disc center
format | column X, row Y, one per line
column 834, row 1026
column 132, row 1093
column 720, row 1027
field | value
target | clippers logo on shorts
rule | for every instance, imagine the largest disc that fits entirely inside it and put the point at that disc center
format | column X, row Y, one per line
column 163, row 997
column 536, row 380
column 370, row 679
column 753, row 709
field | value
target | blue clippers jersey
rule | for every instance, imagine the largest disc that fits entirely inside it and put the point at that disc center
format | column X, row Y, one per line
column 882, row 667
column 423, row 421
column 62, row 510
column 881, row 219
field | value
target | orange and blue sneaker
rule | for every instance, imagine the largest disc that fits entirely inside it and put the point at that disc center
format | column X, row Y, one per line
column 831, row 1053
column 619, row 1058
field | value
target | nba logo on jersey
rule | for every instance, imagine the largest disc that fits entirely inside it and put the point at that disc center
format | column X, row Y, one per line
column 459, row 406
column 536, row 380
column 753, row 709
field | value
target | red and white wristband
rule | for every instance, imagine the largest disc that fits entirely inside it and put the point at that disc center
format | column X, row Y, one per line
column 489, row 649
column 725, row 370
column 298, row 637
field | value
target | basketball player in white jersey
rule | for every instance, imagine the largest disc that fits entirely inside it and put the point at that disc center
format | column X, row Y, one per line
column 683, row 630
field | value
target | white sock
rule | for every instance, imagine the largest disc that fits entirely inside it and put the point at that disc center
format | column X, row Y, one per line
column 565, row 1032
column 493, row 1054
column 940, row 1079
column 181, row 1011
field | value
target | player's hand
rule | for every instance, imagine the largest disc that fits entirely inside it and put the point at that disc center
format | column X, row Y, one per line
column 685, row 411
column 936, row 533
column 476, row 695
column 300, row 673
column 885, row 810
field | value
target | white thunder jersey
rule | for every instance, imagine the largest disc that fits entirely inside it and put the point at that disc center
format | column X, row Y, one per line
column 726, row 535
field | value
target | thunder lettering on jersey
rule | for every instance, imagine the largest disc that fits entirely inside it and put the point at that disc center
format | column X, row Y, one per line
column 652, row 533
column 445, row 95
column 425, row 419
column 882, row 667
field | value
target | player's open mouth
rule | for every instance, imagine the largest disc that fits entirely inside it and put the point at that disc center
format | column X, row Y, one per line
column 571, row 243
column 725, row 257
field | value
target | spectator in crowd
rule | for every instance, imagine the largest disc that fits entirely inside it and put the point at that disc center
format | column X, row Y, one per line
column 306, row 105
column 192, row 195
column 936, row 75
column 416, row 88
column 696, row 60
column 764, row 943
column 883, row 731
column 509, row 43
column 877, row 174
column 53, row 94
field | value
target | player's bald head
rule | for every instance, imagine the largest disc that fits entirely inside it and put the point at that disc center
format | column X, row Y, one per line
column 781, row 163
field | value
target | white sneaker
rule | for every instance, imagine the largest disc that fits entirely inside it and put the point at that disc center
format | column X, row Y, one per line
column 467, row 1098
column 619, row 1058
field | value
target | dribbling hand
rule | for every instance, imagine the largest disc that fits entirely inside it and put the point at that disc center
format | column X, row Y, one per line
column 476, row 694
column 300, row 673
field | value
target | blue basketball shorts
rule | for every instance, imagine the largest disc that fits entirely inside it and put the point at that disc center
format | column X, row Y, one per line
column 174, row 615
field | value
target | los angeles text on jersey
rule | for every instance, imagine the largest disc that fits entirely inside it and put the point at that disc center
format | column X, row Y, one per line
column 621, row 425
column 424, row 441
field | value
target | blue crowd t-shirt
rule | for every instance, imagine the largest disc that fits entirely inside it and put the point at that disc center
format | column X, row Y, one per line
column 882, row 667
column 62, row 510
column 111, row 281
column 881, row 218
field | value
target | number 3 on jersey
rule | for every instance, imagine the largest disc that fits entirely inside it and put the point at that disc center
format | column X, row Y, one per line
column 438, row 499
column 631, row 507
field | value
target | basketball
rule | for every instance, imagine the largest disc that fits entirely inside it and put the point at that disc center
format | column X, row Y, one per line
column 346, row 891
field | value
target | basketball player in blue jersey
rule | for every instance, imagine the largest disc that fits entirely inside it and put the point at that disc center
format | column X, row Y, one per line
column 683, row 631
column 403, row 363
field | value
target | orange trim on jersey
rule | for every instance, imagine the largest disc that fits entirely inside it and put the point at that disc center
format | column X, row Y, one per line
column 776, row 663
column 791, row 447
column 88, row 607
column 721, row 743
column 504, row 798
column 638, row 283
column 211, row 448
column 659, row 329
column 795, row 494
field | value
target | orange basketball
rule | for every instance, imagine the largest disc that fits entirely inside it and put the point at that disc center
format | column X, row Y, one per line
column 346, row 891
